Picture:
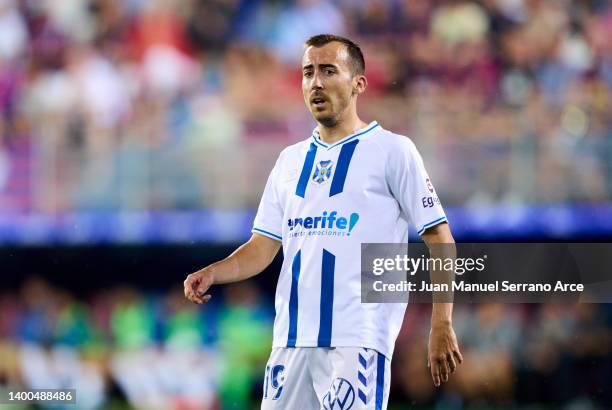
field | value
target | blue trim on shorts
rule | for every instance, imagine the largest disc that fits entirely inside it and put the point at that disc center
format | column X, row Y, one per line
column 380, row 381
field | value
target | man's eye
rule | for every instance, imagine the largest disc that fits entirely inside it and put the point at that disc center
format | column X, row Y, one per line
column 329, row 72
column 307, row 74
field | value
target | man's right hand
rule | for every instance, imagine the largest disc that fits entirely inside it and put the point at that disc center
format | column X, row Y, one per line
column 248, row 260
column 197, row 284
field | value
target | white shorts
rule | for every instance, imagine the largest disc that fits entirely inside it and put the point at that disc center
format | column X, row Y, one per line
column 321, row 378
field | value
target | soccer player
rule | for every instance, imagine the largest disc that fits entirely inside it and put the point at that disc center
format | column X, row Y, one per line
column 348, row 183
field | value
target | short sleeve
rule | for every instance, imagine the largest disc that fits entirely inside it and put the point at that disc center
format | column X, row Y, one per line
column 411, row 186
column 269, row 218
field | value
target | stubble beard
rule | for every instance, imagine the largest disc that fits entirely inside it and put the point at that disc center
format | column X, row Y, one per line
column 331, row 119
column 328, row 121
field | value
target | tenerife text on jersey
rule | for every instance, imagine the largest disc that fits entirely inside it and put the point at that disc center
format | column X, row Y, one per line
column 328, row 223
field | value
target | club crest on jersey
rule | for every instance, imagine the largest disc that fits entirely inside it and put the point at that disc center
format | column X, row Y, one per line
column 323, row 171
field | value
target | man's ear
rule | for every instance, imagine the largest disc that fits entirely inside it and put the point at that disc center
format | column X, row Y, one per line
column 360, row 83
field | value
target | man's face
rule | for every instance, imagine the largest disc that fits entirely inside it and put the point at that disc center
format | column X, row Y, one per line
column 327, row 82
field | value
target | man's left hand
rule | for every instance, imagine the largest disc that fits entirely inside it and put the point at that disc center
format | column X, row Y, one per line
column 444, row 354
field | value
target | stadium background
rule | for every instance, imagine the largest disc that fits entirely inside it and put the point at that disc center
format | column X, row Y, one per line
column 136, row 136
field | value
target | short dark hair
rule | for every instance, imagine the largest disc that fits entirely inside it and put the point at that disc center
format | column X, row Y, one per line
column 356, row 56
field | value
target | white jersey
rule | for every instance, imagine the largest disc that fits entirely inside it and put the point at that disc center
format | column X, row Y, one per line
column 323, row 201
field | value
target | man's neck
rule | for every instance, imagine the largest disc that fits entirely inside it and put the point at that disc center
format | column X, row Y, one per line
column 330, row 135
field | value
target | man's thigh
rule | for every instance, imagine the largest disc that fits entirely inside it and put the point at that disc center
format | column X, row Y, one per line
column 288, row 383
column 350, row 378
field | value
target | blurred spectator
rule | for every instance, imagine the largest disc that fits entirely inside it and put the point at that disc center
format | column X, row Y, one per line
column 300, row 20
column 132, row 322
column 245, row 340
column 13, row 31
column 491, row 337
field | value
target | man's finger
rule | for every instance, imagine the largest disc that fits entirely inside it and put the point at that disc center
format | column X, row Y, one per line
column 192, row 296
column 189, row 293
column 201, row 299
column 451, row 362
column 201, row 288
column 435, row 373
column 190, row 283
column 444, row 371
column 458, row 355
column 186, row 287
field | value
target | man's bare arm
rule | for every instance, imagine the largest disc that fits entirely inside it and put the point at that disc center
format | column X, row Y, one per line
column 443, row 348
column 433, row 237
column 248, row 260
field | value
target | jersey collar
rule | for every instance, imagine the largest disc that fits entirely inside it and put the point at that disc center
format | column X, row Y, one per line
column 317, row 138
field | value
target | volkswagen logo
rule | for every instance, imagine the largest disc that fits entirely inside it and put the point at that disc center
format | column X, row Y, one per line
column 340, row 395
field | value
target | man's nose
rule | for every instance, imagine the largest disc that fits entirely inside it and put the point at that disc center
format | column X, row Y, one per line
column 317, row 84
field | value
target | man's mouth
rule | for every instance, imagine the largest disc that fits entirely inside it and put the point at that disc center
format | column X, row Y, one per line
column 318, row 101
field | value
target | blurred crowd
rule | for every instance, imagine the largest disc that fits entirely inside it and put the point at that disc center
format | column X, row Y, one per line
column 110, row 104
column 124, row 347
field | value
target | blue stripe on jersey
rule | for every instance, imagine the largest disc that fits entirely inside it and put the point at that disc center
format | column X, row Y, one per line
column 327, row 299
column 300, row 190
column 344, row 159
column 270, row 234
column 380, row 381
column 293, row 300
column 430, row 224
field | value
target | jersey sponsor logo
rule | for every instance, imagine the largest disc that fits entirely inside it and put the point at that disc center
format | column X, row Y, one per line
column 429, row 185
column 327, row 224
column 323, row 171
column 340, row 396
column 430, row 201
